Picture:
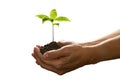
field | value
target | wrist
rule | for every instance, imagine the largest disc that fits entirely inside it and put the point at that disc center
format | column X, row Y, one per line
column 91, row 43
column 100, row 53
column 95, row 55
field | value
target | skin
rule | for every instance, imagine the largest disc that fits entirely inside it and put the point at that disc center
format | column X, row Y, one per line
column 75, row 55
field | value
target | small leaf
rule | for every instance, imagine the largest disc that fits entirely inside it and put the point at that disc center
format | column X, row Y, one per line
column 62, row 18
column 41, row 16
column 57, row 24
column 45, row 19
column 53, row 14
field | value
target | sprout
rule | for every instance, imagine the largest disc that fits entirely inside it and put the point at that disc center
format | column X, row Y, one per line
column 52, row 18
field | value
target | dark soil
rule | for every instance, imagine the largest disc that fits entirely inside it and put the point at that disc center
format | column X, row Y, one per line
column 51, row 46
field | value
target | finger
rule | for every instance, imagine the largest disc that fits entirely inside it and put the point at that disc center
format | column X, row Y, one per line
column 37, row 62
column 38, row 46
column 37, row 52
column 58, row 63
column 38, row 55
column 48, row 67
column 33, row 55
column 57, row 69
column 63, row 43
column 35, row 58
column 38, row 59
column 55, row 54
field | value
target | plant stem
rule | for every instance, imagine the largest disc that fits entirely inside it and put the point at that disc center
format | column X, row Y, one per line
column 52, row 32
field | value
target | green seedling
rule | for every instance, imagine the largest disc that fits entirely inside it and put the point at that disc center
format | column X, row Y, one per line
column 53, row 18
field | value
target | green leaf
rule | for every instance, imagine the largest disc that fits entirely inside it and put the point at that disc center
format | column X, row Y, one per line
column 42, row 16
column 45, row 19
column 62, row 18
column 57, row 24
column 53, row 14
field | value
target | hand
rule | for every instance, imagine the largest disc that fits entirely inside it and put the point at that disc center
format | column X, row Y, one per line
column 71, row 56
column 74, row 55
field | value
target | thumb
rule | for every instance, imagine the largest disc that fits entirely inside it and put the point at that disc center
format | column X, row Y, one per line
column 64, row 43
column 55, row 54
column 37, row 52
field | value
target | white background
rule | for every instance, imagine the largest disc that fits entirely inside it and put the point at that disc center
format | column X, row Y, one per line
column 20, row 31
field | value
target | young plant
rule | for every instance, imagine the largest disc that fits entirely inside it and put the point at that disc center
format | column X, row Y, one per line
column 52, row 18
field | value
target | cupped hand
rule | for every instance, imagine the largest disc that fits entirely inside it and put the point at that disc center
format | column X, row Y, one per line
column 71, row 56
